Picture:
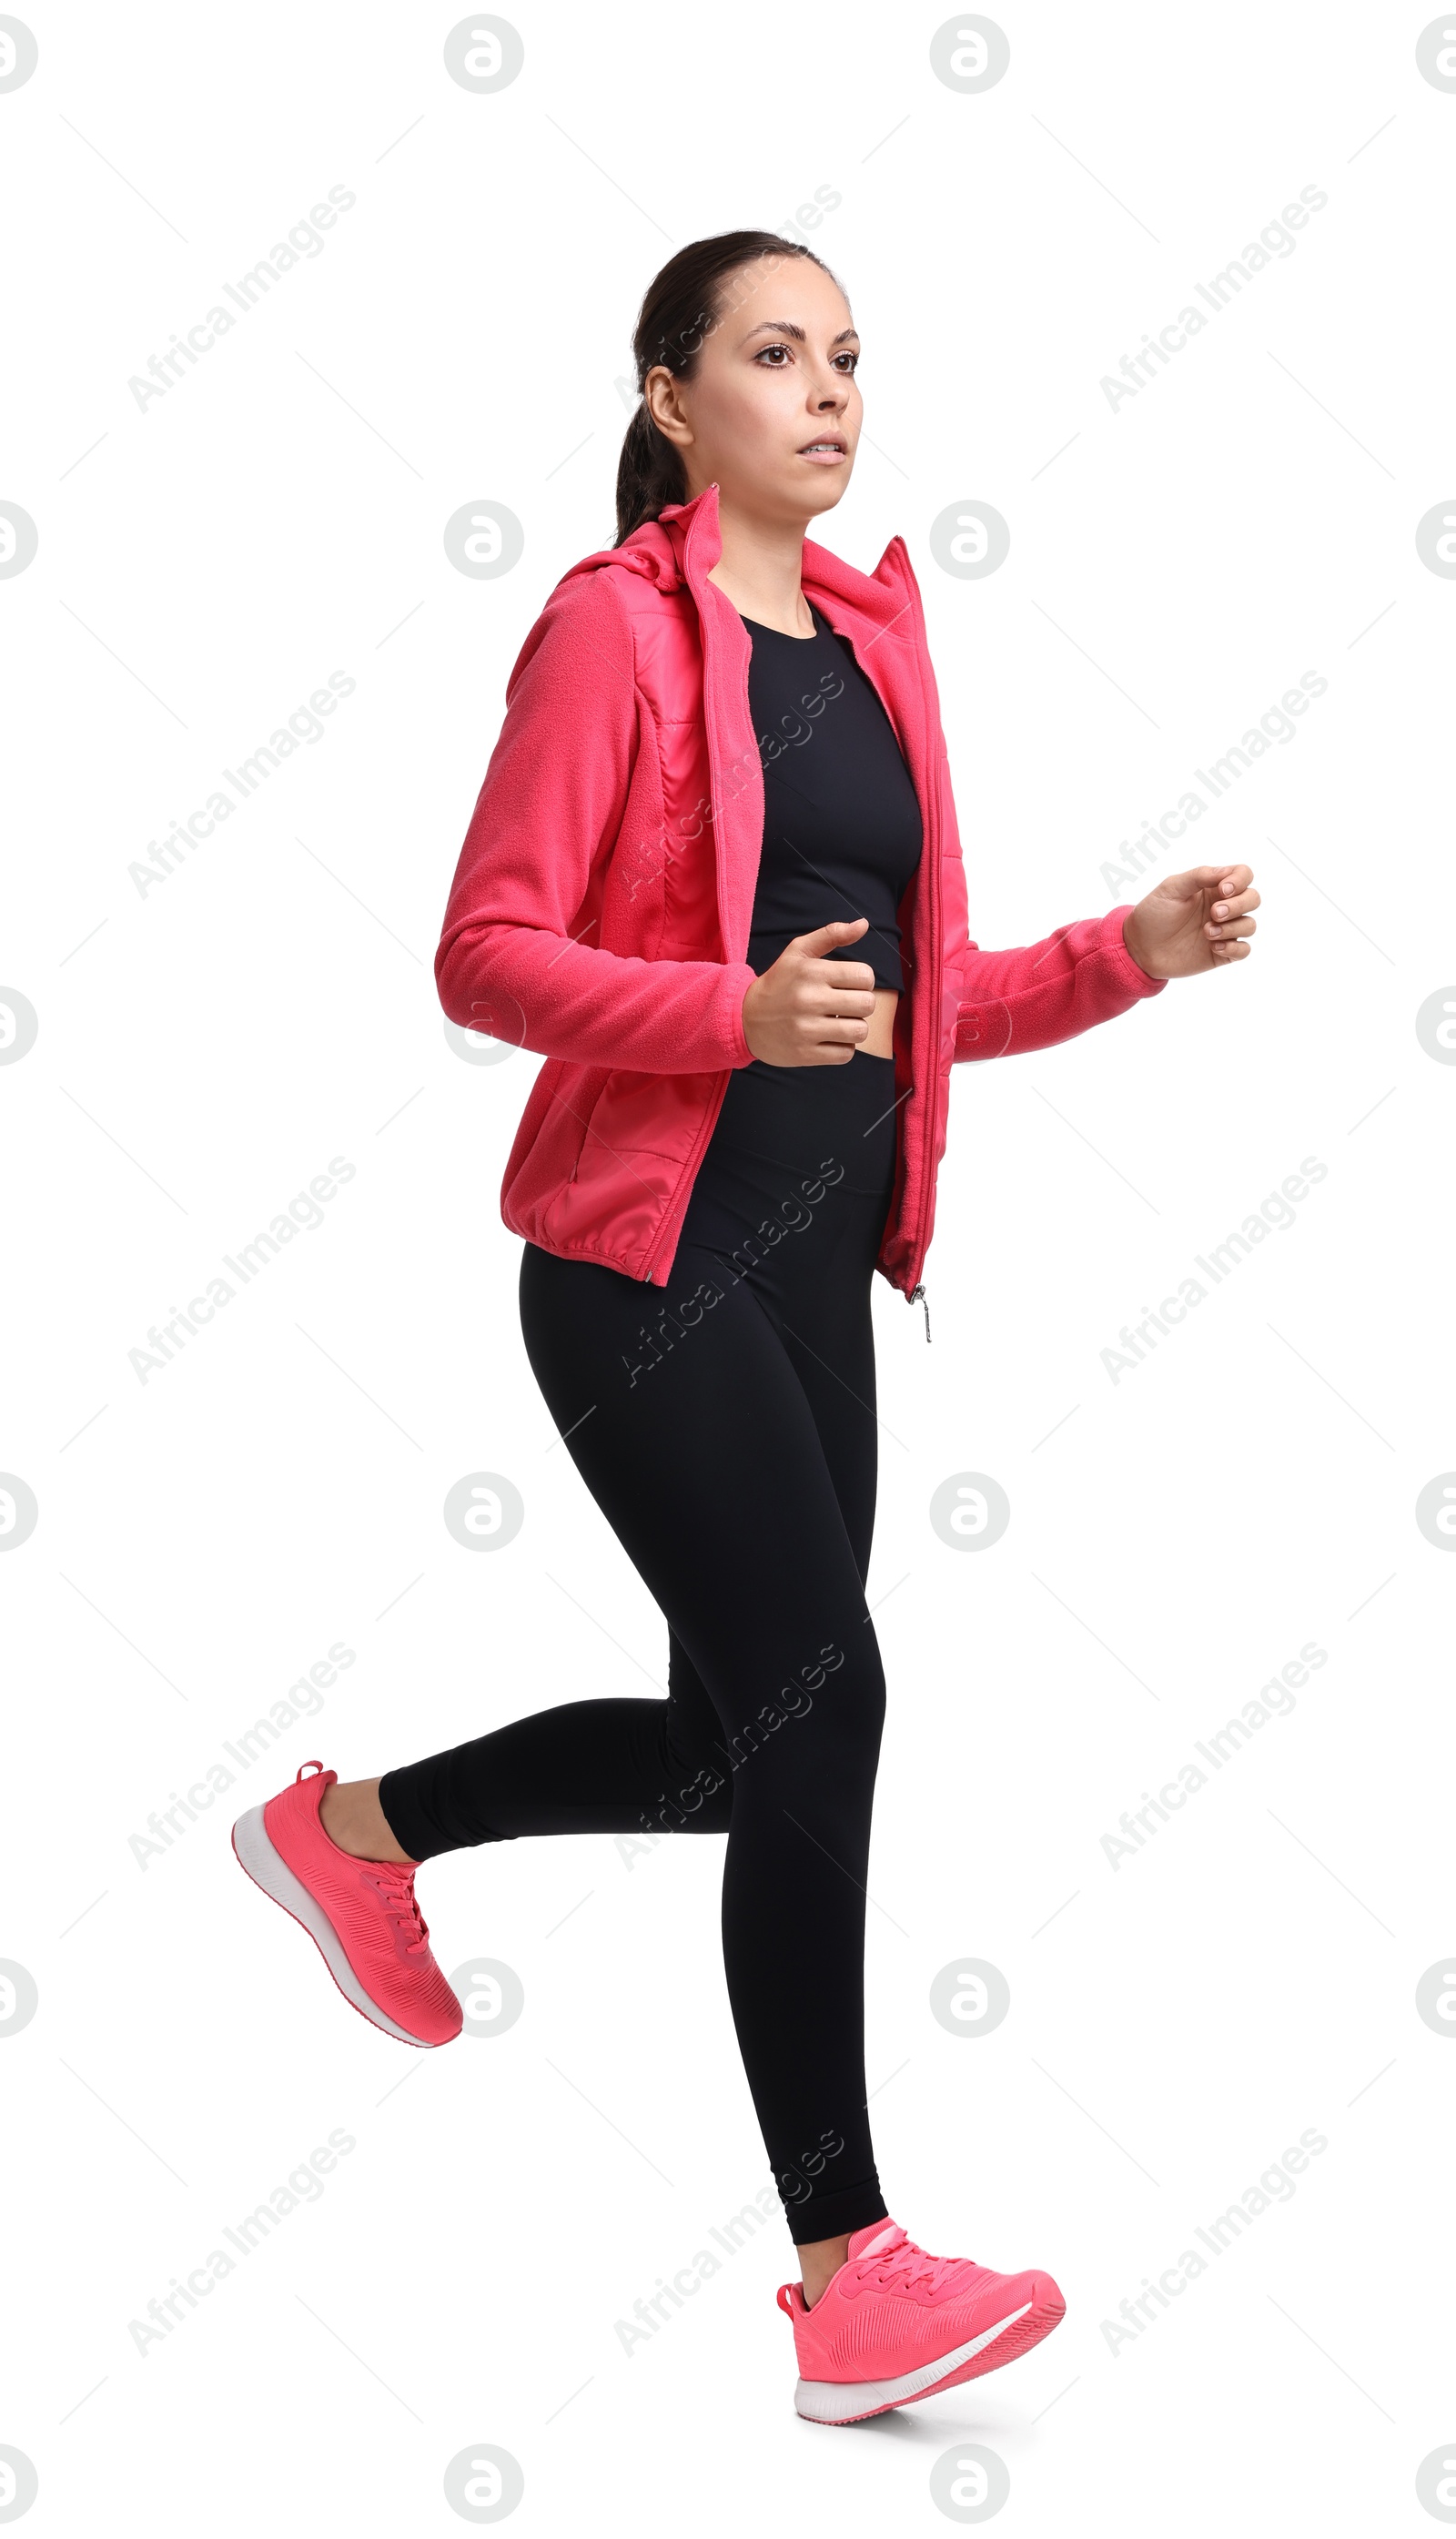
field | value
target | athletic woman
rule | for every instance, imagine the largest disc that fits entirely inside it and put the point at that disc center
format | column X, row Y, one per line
column 713, row 877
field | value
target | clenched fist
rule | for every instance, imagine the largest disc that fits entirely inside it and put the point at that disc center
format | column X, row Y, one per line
column 807, row 1011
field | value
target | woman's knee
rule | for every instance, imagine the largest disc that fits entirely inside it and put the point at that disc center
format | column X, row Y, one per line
column 695, row 1795
column 855, row 1701
column 832, row 1731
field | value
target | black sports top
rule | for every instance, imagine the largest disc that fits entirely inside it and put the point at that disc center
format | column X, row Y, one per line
column 841, row 828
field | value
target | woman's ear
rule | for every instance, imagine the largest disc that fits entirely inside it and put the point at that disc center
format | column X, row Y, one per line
column 661, row 395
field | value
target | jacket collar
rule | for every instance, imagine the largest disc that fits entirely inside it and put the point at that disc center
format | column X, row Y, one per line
column 679, row 548
column 693, row 538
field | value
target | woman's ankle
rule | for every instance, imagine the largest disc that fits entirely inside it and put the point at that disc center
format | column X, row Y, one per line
column 354, row 1821
column 819, row 2261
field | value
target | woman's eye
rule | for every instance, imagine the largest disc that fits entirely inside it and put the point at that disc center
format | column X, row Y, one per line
column 775, row 355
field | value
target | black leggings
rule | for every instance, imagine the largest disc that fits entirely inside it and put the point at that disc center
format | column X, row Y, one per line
column 726, row 1426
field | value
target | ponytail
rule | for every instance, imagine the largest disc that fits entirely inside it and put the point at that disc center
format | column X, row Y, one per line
column 650, row 474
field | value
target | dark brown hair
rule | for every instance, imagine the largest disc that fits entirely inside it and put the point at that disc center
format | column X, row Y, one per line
column 680, row 305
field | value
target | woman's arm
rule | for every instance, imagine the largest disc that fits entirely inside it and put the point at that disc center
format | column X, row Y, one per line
column 519, row 956
column 1087, row 973
column 1047, row 991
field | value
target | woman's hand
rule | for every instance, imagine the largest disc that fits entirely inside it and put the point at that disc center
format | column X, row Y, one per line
column 807, row 1011
column 1193, row 921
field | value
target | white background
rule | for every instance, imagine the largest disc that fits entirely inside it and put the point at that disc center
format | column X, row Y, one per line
column 205, row 1050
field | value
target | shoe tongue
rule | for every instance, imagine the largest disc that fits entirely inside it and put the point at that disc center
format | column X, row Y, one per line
column 402, row 1869
column 875, row 2239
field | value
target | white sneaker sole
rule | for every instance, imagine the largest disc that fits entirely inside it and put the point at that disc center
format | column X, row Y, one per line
column 843, row 2402
column 267, row 1868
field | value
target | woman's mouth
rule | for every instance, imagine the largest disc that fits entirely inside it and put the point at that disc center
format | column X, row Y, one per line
column 831, row 452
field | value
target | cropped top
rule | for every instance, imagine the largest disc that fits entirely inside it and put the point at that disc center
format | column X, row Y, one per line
column 841, row 829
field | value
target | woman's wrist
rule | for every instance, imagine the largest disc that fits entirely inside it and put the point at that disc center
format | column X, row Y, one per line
column 1132, row 938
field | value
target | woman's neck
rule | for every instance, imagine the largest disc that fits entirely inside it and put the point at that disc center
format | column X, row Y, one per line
column 759, row 571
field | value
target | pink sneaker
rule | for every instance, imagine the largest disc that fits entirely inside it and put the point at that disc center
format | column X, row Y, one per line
column 894, row 2324
column 371, row 1932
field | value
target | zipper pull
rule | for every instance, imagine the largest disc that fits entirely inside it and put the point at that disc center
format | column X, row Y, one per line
column 918, row 1297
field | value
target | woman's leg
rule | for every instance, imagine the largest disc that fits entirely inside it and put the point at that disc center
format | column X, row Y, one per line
column 695, row 1415
column 711, row 1472
column 604, row 1766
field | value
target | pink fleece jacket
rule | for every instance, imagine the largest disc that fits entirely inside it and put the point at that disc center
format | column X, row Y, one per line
column 601, row 908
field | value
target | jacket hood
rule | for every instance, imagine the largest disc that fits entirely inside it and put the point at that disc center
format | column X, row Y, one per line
column 682, row 545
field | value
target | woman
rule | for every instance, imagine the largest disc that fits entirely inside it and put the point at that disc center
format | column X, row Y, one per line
column 713, row 877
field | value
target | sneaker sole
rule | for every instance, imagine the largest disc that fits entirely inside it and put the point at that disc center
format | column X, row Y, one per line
column 840, row 2402
column 268, row 1869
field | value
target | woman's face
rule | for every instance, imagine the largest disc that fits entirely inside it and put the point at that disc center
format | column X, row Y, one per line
column 772, row 414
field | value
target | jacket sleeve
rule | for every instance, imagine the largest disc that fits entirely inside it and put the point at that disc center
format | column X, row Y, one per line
column 520, row 955
column 1047, row 991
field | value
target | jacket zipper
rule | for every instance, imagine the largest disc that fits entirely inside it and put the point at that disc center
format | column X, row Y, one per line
column 933, row 858
column 931, row 866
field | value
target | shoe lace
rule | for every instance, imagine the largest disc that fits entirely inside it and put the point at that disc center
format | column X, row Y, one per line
column 396, row 1888
column 909, row 2265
